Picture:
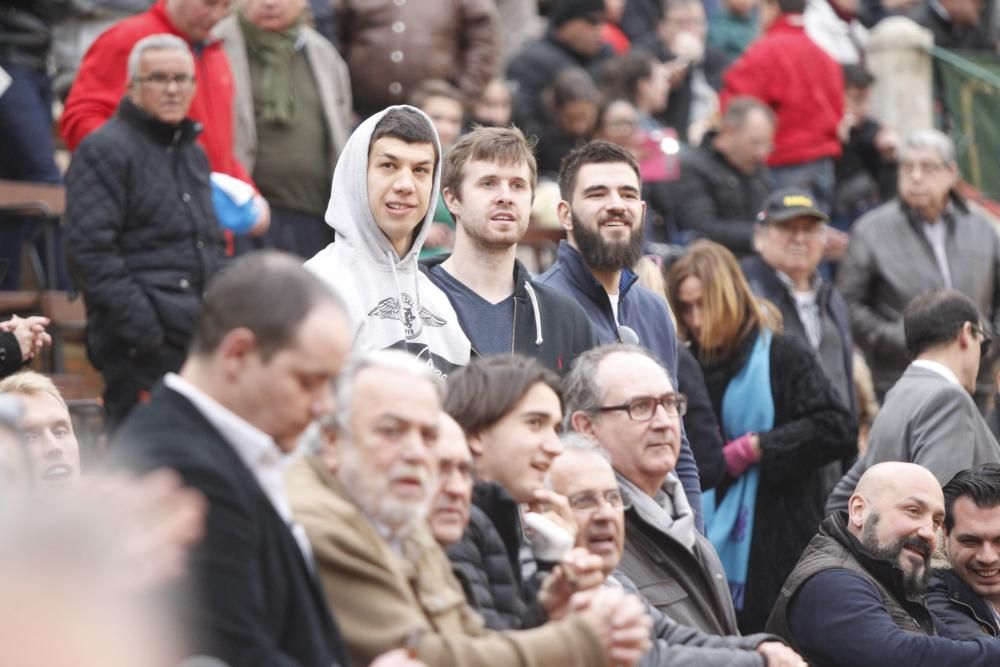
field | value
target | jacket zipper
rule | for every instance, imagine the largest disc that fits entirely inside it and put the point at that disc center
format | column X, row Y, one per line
column 513, row 331
column 974, row 615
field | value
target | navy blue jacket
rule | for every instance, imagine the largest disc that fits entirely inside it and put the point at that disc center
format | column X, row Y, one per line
column 961, row 613
column 642, row 311
column 839, row 620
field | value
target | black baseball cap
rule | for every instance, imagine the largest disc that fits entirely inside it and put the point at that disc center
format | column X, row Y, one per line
column 789, row 203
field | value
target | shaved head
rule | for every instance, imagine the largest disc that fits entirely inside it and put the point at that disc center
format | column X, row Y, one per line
column 895, row 512
column 897, row 478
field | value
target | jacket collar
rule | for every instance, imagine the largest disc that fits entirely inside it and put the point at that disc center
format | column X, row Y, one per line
column 166, row 134
column 159, row 10
column 787, row 23
column 956, row 203
column 521, row 274
column 580, row 275
column 962, row 594
column 887, row 573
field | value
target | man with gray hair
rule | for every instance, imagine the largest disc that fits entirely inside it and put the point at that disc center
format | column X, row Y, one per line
column 622, row 397
column 142, row 240
column 928, row 238
column 583, row 474
column 363, row 495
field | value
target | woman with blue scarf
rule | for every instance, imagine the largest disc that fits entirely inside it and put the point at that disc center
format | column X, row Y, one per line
column 781, row 420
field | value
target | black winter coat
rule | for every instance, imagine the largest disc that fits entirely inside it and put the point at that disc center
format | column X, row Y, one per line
column 487, row 562
column 720, row 202
column 142, row 238
column 811, row 428
column 700, row 422
column 536, row 67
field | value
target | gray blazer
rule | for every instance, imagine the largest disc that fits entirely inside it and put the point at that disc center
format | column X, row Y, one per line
column 332, row 81
column 928, row 420
column 889, row 261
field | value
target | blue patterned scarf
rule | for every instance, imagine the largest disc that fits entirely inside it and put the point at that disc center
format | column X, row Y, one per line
column 747, row 407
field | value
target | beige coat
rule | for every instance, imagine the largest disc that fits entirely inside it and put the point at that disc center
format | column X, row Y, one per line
column 380, row 599
column 332, row 81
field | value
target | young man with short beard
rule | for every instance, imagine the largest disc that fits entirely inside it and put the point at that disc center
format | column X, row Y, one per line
column 489, row 183
column 603, row 214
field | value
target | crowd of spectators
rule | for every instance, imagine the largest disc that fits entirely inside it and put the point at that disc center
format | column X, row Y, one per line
column 348, row 421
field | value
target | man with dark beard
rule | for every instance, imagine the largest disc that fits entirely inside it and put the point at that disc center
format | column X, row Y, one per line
column 602, row 212
column 854, row 599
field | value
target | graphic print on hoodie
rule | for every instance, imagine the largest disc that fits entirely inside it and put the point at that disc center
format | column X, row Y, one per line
column 391, row 304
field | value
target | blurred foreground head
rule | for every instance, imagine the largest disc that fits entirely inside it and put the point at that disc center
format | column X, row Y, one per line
column 70, row 600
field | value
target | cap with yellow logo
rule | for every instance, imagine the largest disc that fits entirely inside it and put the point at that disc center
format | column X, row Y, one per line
column 789, row 203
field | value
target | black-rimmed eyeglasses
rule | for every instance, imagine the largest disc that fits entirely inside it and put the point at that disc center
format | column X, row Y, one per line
column 642, row 408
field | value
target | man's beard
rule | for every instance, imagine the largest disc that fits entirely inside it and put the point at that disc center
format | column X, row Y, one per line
column 603, row 256
column 914, row 581
column 370, row 491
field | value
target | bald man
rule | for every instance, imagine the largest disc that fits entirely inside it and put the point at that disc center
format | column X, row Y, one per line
column 854, row 599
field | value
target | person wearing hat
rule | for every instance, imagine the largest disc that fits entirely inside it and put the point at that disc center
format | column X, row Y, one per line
column 790, row 236
column 573, row 39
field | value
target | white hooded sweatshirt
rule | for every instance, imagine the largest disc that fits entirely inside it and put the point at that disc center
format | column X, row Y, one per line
column 391, row 304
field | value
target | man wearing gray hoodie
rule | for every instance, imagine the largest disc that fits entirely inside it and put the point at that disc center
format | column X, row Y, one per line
column 384, row 193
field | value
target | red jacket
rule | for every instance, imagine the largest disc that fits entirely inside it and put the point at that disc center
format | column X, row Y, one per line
column 787, row 71
column 101, row 82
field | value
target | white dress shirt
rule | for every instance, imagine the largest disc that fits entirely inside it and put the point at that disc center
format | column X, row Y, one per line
column 258, row 451
column 938, row 368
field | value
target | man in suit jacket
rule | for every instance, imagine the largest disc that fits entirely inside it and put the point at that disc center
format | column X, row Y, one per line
column 269, row 340
column 929, row 416
column 929, row 238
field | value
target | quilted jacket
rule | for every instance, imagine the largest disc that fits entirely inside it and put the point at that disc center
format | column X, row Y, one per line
column 142, row 240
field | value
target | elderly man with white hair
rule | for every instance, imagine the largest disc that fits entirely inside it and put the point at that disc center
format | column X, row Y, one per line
column 929, row 237
column 365, row 492
column 142, row 238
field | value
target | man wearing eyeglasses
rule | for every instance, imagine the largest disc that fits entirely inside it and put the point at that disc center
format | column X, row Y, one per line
column 621, row 397
column 928, row 238
column 583, row 474
column 929, row 417
column 142, row 240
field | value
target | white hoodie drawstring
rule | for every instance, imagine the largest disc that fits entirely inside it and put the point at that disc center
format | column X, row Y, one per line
column 538, row 315
column 399, row 293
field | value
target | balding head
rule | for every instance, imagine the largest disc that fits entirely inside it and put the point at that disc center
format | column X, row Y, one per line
column 450, row 508
column 895, row 512
column 584, row 475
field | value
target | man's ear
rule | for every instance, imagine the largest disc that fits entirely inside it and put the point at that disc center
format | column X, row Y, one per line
column 857, row 507
column 450, row 200
column 965, row 336
column 475, row 442
column 235, row 350
column 583, row 423
column 564, row 212
column 329, row 453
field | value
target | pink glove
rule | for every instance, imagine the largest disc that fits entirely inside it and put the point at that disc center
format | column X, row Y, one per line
column 739, row 455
